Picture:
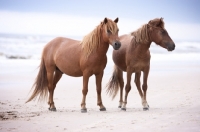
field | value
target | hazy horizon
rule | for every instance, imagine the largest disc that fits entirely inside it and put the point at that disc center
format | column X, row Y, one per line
column 78, row 18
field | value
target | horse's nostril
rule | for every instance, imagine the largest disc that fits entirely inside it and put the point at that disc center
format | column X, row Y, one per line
column 116, row 45
column 173, row 47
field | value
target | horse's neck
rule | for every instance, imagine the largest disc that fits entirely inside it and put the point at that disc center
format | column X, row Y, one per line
column 144, row 46
column 102, row 49
column 140, row 48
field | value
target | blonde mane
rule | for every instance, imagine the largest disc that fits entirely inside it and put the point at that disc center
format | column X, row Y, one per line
column 92, row 41
column 141, row 35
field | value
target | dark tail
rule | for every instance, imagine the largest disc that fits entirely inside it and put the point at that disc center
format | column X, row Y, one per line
column 113, row 84
column 40, row 85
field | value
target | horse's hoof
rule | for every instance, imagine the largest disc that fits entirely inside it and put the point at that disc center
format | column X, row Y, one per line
column 124, row 109
column 52, row 109
column 145, row 109
column 102, row 109
column 83, row 110
column 119, row 107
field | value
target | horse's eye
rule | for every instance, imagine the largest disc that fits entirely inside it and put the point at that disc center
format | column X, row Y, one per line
column 163, row 31
column 109, row 32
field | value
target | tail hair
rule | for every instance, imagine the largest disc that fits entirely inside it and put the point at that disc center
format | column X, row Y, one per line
column 40, row 85
column 113, row 84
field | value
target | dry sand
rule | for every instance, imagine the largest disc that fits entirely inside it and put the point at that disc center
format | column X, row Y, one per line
column 173, row 96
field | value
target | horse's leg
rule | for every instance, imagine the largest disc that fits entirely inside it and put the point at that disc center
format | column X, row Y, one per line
column 121, row 84
column 50, row 76
column 98, row 88
column 56, row 78
column 137, row 83
column 84, row 91
column 144, row 88
column 127, row 89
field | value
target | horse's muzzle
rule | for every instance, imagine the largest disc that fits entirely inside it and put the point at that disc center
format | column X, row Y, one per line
column 116, row 45
column 170, row 46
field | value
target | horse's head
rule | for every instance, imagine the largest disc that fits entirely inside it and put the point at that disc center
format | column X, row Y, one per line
column 110, row 32
column 159, row 34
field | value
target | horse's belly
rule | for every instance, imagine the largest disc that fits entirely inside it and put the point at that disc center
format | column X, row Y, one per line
column 121, row 66
column 69, row 66
column 139, row 67
column 71, row 70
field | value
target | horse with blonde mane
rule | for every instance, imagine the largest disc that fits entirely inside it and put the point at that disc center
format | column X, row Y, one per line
column 134, row 57
column 75, row 58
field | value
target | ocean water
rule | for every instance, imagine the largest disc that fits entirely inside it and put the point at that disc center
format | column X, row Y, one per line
column 20, row 57
column 15, row 46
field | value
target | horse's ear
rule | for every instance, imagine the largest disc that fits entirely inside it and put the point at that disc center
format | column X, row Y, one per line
column 105, row 20
column 116, row 20
column 161, row 22
column 149, row 22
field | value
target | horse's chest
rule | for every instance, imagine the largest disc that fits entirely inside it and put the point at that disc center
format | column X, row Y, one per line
column 99, row 65
column 94, row 65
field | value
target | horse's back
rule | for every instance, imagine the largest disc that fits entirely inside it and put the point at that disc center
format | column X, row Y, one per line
column 55, row 44
column 119, row 56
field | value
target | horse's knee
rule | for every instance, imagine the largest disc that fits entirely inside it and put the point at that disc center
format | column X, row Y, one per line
column 128, row 88
column 144, row 87
column 84, row 91
column 50, row 87
column 121, row 84
column 54, row 85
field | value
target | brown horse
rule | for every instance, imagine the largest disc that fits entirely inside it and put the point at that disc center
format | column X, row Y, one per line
column 75, row 58
column 134, row 57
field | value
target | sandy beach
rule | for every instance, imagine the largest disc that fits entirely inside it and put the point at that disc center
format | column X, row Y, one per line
column 173, row 95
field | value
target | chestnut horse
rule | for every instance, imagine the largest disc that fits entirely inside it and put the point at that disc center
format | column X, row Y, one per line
column 134, row 57
column 75, row 58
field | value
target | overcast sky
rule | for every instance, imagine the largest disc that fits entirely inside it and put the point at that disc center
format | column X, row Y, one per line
column 78, row 17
